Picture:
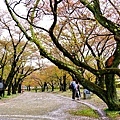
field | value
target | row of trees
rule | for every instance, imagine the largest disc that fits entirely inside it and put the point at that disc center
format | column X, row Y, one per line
column 16, row 58
column 52, row 76
column 83, row 38
column 20, row 58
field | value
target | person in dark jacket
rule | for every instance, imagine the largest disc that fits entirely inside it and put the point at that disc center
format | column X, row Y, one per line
column 73, row 88
column 2, row 87
column 78, row 94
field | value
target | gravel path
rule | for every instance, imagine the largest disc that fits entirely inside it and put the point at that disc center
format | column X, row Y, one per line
column 39, row 106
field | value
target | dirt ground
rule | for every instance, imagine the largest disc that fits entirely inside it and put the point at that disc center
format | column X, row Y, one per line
column 41, row 106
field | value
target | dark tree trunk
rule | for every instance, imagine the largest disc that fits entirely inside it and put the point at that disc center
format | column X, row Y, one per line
column 52, row 87
column 19, row 87
column 113, row 61
column 14, row 88
column 10, row 79
column 64, row 83
column 61, row 85
column 9, row 88
column 111, row 98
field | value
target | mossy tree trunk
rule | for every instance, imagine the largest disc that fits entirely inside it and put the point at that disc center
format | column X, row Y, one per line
column 109, row 94
column 113, row 62
column 111, row 98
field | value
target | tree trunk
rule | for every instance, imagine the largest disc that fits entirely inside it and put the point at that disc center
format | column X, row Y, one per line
column 111, row 94
column 9, row 88
column 64, row 83
column 52, row 87
column 111, row 98
column 14, row 88
column 60, row 84
column 19, row 87
column 108, row 95
column 113, row 104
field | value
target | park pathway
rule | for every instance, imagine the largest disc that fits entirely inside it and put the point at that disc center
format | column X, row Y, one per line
column 39, row 106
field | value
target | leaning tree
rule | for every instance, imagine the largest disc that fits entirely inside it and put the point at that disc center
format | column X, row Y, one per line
column 85, row 33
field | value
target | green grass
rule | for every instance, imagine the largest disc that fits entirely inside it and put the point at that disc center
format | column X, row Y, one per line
column 113, row 114
column 9, row 96
column 84, row 112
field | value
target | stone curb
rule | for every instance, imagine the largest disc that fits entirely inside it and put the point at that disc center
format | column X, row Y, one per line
column 100, row 112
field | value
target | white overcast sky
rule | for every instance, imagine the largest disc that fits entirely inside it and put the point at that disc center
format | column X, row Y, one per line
column 45, row 24
column 2, row 4
column 46, row 21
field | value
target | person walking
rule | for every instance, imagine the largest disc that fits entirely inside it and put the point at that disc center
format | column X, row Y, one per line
column 1, row 88
column 73, row 88
column 78, row 94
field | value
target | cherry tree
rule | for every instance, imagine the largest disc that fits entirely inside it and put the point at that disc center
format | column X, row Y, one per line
column 85, row 33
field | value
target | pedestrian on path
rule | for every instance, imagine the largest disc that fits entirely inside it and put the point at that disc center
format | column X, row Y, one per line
column 73, row 88
column 1, row 87
column 78, row 95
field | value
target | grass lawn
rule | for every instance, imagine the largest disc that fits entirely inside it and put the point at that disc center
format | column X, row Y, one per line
column 85, row 111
